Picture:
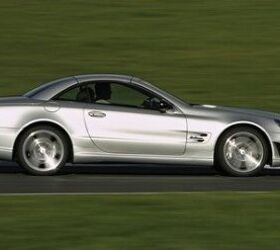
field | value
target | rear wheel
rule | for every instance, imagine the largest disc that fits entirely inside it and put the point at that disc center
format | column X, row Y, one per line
column 42, row 150
column 242, row 152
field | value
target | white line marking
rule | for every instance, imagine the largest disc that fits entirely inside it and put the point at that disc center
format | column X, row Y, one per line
column 130, row 193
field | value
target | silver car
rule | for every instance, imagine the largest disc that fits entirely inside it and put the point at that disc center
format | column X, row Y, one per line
column 102, row 118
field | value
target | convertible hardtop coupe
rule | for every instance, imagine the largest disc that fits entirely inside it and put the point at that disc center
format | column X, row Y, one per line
column 117, row 118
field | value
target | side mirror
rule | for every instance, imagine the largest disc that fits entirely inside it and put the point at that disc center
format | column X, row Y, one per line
column 157, row 104
column 164, row 106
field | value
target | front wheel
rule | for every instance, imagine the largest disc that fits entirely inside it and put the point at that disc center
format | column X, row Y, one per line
column 242, row 152
column 42, row 150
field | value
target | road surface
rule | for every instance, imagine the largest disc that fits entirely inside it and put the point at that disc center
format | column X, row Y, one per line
column 133, row 178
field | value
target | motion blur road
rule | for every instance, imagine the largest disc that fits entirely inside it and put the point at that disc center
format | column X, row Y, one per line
column 124, row 178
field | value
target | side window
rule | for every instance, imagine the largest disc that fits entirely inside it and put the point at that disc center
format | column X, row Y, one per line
column 78, row 94
column 122, row 95
column 70, row 95
column 115, row 94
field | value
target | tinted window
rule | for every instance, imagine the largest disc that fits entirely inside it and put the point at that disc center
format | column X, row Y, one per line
column 123, row 95
column 119, row 94
column 70, row 95
column 111, row 93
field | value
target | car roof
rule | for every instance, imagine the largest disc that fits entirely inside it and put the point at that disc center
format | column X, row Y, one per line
column 51, row 89
column 109, row 77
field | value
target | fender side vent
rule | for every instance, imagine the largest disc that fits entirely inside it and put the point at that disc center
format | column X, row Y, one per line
column 194, row 137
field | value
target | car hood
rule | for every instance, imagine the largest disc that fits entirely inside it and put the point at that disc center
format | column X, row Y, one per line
column 232, row 110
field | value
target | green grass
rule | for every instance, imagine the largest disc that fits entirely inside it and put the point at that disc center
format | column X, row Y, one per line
column 169, row 221
column 210, row 51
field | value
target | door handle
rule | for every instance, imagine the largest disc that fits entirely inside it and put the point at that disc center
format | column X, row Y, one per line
column 96, row 114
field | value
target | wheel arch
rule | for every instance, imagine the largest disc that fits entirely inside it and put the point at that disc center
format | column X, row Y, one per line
column 46, row 123
column 250, row 125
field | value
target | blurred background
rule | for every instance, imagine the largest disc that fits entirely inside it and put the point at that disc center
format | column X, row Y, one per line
column 208, row 51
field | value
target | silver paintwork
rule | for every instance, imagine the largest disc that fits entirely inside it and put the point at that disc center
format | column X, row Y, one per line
column 186, row 134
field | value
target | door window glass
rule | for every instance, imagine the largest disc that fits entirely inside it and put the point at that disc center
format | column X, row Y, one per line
column 122, row 95
column 111, row 93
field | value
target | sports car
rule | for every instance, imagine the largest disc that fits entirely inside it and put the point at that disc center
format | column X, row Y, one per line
column 117, row 118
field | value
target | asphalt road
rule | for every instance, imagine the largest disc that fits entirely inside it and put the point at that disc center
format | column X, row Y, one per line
column 131, row 178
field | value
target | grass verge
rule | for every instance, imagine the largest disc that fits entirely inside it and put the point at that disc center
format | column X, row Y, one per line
column 167, row 221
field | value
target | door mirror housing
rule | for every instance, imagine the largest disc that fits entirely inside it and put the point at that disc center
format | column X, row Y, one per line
column 157, row 104
column 164, row 106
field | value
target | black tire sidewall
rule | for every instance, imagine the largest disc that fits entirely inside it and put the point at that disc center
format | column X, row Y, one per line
column 220, row 158
column 19, row 149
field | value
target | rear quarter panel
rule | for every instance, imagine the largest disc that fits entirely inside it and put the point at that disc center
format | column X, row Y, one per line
column 15, row 118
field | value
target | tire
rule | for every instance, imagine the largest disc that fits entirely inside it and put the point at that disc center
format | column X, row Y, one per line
column 242, row 151
column 42, row 150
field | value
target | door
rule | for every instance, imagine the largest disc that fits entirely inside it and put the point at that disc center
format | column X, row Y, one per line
column 128, row 120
